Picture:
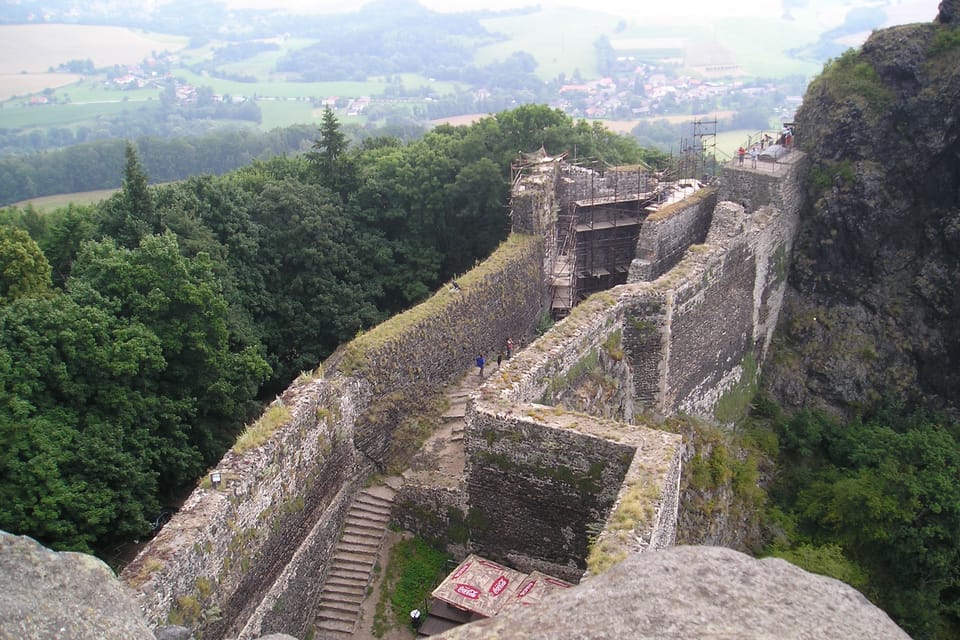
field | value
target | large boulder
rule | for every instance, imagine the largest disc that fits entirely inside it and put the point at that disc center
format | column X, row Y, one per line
column 46, row 595
column 695, row 592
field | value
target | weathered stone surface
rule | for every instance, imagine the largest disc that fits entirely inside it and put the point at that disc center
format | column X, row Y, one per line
column 173, row 632
column 46, row 595
column 871, row 314
column 696, row 592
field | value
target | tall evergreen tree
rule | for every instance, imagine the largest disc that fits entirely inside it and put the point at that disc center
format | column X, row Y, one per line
column 328, row 156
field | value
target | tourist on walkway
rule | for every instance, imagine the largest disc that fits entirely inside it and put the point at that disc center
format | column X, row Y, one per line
column 741, row 152
column 509, row 348
column 480, row 363
column 754, row 154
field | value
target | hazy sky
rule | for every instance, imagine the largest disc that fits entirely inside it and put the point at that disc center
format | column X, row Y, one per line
column 830, row 12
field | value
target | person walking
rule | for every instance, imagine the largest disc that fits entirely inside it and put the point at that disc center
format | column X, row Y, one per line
column 741, row 152
column 509, row 348
column 754, row 154
column 480, row 363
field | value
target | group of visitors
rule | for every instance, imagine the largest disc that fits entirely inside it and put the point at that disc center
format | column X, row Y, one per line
column 482, row 361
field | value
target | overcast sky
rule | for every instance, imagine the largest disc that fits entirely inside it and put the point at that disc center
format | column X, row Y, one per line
column 831, row 11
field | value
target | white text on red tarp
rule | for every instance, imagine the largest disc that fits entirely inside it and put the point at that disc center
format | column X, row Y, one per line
column 526, row 588
column 467, row 591
column 499, row 585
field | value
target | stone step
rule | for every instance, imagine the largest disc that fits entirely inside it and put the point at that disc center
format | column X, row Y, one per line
column 337, row 611
column 367, row 496
column 334, row 620
column 394, row 482
column 345, row 601
column 359, row 549
column 349, row 559
column 338, row 627
column 357, row 531
column 364, row 538
column 454, row 415
column 383, row 491
column 360, row 526
column 369, row 508
column 347, row 590
column 351, row 572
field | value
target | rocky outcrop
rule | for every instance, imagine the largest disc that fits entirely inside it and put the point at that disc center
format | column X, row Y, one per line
column 681, row 592
column 875, row 282
column 695, row 592
column 45, row 594
column 949, row 12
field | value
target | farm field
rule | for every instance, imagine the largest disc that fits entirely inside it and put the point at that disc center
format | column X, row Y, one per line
column 50, row 203
column 561, row 39
column 59, row 115
column 105, row 46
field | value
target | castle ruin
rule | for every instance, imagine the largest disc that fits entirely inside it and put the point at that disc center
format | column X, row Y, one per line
column 669, row 303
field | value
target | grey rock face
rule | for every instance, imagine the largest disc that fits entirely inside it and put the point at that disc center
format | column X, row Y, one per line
column 949, row 12
column 696, row 592
column 872, row 309
column 45, row 595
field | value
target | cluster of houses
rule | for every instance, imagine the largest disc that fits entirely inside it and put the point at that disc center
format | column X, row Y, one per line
column 651, row 91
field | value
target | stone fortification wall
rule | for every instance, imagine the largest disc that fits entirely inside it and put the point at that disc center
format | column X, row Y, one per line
column 414, row 355
column 561, row 473
column 250, row 556
column 779, row 185
column 229, row 547
column 666, row 235
column 536, row 490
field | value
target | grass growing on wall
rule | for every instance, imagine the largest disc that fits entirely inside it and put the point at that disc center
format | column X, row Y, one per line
column 260, row 431
column 355, row 354
column 735, row 402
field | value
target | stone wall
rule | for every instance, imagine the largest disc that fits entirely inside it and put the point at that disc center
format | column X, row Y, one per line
column 214, row 563
column 250, row 556
column 416, row 354
column 666, row 235
column 542, row 481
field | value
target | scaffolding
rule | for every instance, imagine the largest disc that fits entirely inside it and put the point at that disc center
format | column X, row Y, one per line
column 698, row 153
column 600, row 213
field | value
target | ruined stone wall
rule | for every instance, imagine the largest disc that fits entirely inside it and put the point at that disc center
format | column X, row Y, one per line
column 666, row 234
column 557, row 474
column 414, row 355
column 249, row 557
column 536, row 491
column 229, row 547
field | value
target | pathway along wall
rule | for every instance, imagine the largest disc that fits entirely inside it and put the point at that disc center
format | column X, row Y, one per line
column 249, row 556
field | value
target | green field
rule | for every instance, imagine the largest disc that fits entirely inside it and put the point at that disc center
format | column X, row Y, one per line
column 64, row 115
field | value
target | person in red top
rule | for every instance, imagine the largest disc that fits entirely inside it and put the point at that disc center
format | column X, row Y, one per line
column 741, row 152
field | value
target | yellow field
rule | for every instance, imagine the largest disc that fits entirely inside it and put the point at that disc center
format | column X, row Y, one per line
column 19, row 84
column 28, row 51
column 34, row 48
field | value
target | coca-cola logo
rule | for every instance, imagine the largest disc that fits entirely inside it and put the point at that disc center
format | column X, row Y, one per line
column 467, row 591
column 461, row 570
column 526, row 589
column 499, row 585
column 558, row 583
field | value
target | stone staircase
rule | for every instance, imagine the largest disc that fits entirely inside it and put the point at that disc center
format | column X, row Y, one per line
column 351, row 570
column 351, row 567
